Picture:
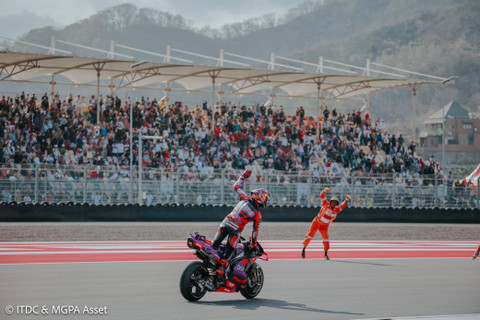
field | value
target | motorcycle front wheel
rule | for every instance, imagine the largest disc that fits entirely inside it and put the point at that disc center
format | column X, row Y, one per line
column 192, row 281
column 254, row 283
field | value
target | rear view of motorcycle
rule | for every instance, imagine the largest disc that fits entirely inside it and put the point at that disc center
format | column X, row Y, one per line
column 242, row 274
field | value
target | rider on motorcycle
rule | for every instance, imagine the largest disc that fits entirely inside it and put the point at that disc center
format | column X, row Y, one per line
column 245, row 211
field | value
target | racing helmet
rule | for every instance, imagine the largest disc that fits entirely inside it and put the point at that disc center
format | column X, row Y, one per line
column 260, row 197
column 335, row 199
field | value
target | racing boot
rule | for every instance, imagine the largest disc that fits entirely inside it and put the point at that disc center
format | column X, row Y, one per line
column 326, row 256
column 221, row 271
column 475, row 255
column 303, row 253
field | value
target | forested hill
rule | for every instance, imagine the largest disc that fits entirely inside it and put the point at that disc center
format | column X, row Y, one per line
column 439, row 37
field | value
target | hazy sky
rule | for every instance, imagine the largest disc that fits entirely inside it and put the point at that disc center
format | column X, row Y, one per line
column 20, row 16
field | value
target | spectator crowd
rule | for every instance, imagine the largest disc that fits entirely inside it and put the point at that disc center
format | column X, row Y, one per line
column 350, row 149
column 66, row 132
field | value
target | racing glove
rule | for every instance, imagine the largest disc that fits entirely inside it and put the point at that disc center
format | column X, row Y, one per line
column 326, row 190
column 246, row 174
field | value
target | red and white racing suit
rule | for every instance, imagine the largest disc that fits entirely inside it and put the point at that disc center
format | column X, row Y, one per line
column 233, row 224
column 322, row 221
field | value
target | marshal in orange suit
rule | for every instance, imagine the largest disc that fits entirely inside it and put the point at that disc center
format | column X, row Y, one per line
column 322, row 221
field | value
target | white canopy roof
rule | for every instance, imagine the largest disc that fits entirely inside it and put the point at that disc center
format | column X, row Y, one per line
column 24, row 67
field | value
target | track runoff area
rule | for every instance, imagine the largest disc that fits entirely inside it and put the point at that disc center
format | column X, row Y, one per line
column 363, row 280
column 78, row 252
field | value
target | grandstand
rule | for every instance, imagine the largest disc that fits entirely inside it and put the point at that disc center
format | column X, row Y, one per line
column 55, row 151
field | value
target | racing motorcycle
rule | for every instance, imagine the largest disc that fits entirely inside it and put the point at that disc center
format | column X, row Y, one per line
column 242, row 273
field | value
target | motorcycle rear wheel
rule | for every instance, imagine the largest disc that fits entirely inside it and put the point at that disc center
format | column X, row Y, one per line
column 192, row 281
column 254, row 283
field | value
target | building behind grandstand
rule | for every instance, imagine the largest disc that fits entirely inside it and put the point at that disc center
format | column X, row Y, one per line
column 462, row 134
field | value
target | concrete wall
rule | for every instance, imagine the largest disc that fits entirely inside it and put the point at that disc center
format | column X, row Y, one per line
column 85, row 213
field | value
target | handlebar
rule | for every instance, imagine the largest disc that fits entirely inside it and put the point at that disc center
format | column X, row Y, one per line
column 250, row 250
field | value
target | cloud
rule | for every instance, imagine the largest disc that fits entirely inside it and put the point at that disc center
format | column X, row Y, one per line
column 13, row 26
column 60, row 11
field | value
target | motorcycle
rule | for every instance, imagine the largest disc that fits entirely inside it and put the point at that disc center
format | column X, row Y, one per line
column 242, row 274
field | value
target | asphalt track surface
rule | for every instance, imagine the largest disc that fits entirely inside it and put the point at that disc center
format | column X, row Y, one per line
column 294, row 289
column 342, row 288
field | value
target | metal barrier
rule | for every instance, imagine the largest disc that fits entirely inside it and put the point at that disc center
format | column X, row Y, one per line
column 111, row 185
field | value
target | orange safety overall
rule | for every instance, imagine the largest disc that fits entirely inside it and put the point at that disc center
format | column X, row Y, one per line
column 322, row 221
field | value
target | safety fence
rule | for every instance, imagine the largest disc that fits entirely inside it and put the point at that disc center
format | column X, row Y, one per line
column 120, row 185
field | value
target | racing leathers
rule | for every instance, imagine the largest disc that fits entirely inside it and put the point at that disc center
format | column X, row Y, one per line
column 233, row 224
column 323, row 220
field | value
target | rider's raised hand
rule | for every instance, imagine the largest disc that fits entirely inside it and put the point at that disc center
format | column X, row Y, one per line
column 246, row 174
column 348, row 198
column 326, row 190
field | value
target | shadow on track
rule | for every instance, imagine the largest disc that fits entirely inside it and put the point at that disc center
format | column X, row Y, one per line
column 367, row 263
column 255, row 304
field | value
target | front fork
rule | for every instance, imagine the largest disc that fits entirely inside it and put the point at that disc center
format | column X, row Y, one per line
column 252, row 276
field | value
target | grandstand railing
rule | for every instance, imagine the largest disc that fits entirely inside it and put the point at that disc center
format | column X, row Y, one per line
column 112, row 185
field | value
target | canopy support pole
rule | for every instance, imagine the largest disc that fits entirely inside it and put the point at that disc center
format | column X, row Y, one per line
column 111, row 54
column 213, row 105
column 98, row 96
column 320, row 102
column 220, row 95
column 414, row 120
column 213, row 74
column 319, row 105
column 167, row 94
column 52, row 88
column 272, row 97
column 52, row 46
column 98, row 67
column 367, row 103
column 111, row 87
